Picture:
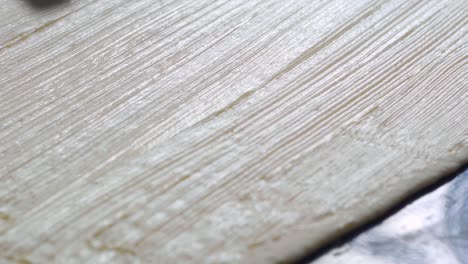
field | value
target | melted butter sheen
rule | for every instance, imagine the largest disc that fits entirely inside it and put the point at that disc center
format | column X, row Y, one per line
column 215, row 131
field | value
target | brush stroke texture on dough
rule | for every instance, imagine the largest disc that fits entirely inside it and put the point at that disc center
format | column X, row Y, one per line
column 217, row 131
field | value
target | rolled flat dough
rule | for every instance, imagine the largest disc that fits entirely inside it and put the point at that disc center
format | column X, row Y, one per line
column 218, row 131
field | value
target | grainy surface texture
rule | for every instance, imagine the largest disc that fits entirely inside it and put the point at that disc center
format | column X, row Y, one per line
column 217, row 131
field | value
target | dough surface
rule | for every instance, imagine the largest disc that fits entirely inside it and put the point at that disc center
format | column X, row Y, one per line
column 216, row 131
